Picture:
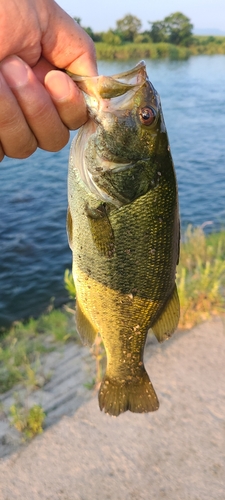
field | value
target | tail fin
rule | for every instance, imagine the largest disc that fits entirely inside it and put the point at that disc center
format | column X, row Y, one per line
column 138, row 396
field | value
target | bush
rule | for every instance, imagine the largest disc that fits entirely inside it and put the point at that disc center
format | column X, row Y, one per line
column 201, row 276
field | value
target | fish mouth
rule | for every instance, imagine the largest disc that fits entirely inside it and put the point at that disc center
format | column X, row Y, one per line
column 107, row 87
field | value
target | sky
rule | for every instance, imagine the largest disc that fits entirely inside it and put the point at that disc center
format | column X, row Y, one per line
column 101, row 15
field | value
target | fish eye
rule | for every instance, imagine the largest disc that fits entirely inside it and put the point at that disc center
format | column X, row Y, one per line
column 147, row 115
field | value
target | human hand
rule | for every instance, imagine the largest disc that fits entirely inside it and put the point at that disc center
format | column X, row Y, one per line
column 38, row 104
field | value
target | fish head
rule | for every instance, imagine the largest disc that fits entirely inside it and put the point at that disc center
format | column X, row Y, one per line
column 116, row 149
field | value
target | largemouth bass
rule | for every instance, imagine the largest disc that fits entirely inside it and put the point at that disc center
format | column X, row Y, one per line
column 123, row 229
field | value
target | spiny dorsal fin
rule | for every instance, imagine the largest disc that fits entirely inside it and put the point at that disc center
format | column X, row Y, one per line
column 167, row 322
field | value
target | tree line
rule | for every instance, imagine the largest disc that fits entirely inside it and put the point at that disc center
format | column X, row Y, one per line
column 175, row 28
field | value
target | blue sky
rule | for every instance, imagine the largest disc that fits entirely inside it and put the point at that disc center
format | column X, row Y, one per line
column 102, row 14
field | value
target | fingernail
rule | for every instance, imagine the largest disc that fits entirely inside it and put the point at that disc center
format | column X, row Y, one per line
column 58, row 85
column 15, row 71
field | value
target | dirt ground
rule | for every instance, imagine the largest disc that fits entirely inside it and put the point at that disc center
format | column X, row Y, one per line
column 176, row 453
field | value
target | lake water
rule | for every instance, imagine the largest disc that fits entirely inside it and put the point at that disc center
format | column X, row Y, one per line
column 33, row 201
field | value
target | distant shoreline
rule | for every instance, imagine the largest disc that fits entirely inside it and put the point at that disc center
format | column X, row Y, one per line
column 204, row 45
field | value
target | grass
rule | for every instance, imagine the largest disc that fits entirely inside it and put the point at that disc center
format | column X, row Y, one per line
column 201, row 276
column 129, row 51
column 28, row 421
column 207, row 45
column 20, row 352
column 69, row 284
column 23, row 344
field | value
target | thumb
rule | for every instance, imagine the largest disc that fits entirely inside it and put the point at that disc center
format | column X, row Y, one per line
column 66, row 45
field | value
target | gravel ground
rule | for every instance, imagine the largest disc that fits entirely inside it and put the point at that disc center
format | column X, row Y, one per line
column 176, row 453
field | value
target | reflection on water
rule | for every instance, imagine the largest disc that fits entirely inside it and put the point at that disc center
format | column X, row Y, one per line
column 33, row 242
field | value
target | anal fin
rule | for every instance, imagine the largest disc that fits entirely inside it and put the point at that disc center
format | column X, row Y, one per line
column 85, row 329
column 168, row 320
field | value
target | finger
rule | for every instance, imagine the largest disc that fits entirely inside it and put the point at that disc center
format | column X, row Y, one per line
column 42, row 68
column 20, row 29
column 17, row 140
column 66, row 45
column 67, row 98
column 36, row 104
column 43, row 28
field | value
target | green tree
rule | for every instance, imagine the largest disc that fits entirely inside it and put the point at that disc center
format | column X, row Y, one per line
column 77, row 19
column 175, row 28
column 111, row 38
column 158, row 31
column 128, row 27
column 142, row 38
column 178, row 29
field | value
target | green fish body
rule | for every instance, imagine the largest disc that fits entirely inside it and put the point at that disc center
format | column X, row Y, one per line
column 123, row 229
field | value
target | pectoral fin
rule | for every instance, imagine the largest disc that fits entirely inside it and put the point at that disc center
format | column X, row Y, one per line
column 167, row 322
column 101, row 230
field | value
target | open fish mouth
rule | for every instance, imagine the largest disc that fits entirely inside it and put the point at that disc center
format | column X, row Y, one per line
column 108, row 87
column 110, row 93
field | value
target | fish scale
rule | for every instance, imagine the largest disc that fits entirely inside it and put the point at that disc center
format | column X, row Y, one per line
column 124, row 260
